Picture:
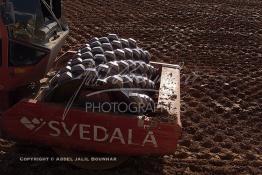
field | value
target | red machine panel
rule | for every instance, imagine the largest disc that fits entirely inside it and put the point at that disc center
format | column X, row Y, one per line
column 87, row 131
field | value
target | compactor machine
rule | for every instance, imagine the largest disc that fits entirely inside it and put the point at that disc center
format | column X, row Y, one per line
column 105, row 98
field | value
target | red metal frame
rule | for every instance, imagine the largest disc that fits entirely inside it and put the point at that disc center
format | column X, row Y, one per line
column 14, row 77
column 4, row 103
column 166, row 135
column 11, row 77
column 43, row 123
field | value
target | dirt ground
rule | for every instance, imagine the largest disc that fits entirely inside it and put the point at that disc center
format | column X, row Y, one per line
column 218, row 44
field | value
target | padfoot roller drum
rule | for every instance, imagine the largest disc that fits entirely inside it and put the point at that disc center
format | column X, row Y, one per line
column 107, row 98
column 119, row 64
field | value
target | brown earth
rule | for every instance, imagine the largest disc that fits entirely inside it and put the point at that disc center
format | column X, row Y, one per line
column 218, row 43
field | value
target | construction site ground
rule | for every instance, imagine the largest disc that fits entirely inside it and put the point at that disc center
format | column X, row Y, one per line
column 218, row 44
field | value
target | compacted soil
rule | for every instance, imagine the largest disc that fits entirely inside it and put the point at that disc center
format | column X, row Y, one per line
column 218, row 44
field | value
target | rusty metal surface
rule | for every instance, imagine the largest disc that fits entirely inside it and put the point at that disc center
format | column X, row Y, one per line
column 169, row 92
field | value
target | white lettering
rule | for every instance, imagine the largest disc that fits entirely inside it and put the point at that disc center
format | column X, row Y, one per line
column 82, row 131
column 57, row 131
column 117, row 134
column 96, row 128
column 69, row 132
column 130, row 138
column 130, row 135
column 150, row 138
column 100, row 134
